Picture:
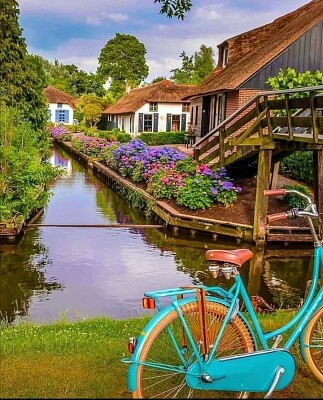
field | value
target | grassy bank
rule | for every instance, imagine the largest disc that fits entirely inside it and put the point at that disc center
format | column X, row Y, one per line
column 82, row 360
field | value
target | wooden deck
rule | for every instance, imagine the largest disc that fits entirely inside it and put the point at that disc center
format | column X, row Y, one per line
column 267, row 129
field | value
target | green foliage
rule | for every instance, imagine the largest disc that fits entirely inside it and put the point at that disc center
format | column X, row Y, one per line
column 194, row 68
column 91, row 106
column 72, row 80
column 174, row 8
column 123, row 61
column 290, row 79
column 196, row 193
column 185, row 73
column 123, row 137
column 164, row 183
column 21, row 75
column 23, row 171
column 161, row 138
column 299, row 166
column 293, row 200
column 158, row 79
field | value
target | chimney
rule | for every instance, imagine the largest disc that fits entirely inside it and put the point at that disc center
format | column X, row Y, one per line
column 128, row 88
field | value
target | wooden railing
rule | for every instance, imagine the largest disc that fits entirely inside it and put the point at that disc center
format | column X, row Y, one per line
column 264, row 122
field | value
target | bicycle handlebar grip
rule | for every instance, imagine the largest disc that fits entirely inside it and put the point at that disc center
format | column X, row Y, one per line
column 276, row 192
column 277, row 217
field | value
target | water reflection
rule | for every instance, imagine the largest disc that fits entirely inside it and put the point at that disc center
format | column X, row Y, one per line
column 82, row 272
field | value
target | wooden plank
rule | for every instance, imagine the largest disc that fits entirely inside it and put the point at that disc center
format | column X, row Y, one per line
column 283, row 237
column 289, row 118
column 261, row 202
column 315, row 126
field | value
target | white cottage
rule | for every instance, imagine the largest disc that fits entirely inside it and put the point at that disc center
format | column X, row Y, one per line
column 154, row 108
column 61, row 106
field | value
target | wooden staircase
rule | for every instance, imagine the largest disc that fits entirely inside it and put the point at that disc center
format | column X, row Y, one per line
column 261, row 133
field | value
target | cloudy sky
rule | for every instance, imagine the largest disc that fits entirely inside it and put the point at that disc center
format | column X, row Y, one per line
column 75, row 31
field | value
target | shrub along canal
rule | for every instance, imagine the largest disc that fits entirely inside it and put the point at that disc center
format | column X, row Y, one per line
column 79, row 272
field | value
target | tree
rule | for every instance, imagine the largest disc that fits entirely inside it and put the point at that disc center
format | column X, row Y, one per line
column 158, row 79
column 72, row 80
column 203, row 63
column 90, row 106
column 194, row 68
column 174, row 8
column 122, row 60
column 185, row 73
column 20, row 85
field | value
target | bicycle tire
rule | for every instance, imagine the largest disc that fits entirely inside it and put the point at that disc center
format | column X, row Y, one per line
column 313, row 345
column 236, row 339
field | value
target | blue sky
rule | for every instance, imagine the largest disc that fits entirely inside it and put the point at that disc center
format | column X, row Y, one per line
column 75, row 31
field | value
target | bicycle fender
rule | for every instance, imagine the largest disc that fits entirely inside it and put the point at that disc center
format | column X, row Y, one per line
column 301, row 337
column 134, row 360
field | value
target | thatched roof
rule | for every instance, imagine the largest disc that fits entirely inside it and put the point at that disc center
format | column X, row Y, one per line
column 161, row 92
column 54, row 95
column 252, row 50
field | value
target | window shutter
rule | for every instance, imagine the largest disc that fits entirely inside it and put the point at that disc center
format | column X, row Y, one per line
column 155, row 128
column 168, row 122
column 140, row 122
column 66, row 114
column 183, row 123
column 56, row 116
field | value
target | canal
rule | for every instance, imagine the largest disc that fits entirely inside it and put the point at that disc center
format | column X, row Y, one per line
column 52, row 273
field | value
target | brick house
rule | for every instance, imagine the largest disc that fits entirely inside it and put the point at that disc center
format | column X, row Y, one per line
column 61, row 106
column 153, row 108
column 246, row 61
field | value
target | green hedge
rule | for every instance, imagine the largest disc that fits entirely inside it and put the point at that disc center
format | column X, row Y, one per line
column 299, row 166
column 161, row 138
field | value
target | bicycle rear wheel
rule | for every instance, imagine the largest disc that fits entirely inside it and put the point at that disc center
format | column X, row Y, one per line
column 313, row 344
column 158, row 347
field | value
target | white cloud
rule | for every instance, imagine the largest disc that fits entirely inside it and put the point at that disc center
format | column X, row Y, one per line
column 208, row 23
column 117, row 17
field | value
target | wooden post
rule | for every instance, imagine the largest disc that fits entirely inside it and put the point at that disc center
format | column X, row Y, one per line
column 274, row 176
column 261, row 202
column 318, row 181
column 256, row 269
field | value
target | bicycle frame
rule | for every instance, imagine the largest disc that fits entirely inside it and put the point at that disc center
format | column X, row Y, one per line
column 203, row 353
column 229, row 298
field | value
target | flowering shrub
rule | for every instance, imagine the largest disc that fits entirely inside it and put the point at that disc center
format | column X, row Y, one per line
column 136, row 161
column 60, row 132
column 91, row 146
column 196, row 193
column 168, row 173
column 165, row 183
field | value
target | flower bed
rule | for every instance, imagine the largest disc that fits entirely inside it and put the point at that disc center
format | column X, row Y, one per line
column 167, row 173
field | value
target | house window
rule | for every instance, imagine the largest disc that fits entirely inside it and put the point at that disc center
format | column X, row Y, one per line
column 49, row 115
column 225, row 57
column 196, row 114
column 153, row 107
column 176, row 123
column 59, row 105
column 185, row 107
column 123, row 119
column 61, row 116
column 148, row 123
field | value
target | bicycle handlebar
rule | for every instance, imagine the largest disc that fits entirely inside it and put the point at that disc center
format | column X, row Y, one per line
column 310, row 211
column 277, row 217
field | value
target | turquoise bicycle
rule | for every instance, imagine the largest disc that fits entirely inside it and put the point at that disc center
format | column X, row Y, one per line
column 202, row 344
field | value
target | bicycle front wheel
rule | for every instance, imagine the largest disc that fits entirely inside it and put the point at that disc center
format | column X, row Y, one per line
column 159, row 347
column 313, row 344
